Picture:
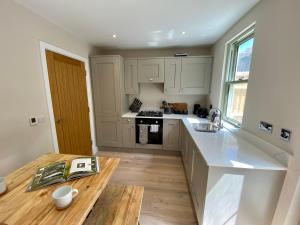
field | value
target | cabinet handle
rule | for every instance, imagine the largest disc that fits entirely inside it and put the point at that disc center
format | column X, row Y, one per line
column 128, row 120
column 151, row 79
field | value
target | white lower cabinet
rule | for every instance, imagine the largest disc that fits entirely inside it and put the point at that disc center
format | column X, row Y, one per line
column 189, row 159
column 128, row 133
column 199, row 183
column 229, row 195
column 171, row 135
column 185, row 145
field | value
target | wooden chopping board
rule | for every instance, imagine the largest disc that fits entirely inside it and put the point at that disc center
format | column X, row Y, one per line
column 178, row 106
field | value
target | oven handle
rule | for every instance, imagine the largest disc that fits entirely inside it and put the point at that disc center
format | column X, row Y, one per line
column 148, row 125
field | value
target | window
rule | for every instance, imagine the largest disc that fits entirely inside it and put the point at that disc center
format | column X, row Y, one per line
column 238, row 64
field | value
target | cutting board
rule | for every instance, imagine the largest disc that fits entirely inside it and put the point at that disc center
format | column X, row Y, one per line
column 179, row 106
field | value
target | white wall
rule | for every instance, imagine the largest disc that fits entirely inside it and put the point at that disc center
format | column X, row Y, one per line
column 273, row 90
column 152, row 96
column 21, row 86
column 154, row 52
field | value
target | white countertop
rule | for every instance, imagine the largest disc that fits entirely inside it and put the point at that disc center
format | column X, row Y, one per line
column 165, row 116
column 223, row 148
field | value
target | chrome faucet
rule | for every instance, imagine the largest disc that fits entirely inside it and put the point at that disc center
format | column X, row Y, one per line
column 216, row 112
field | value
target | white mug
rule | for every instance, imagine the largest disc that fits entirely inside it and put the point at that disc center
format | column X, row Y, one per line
column 2, row 185
column 63, row 196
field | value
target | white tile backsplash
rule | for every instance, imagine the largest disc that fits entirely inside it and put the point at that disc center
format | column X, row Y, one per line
column 153, row 94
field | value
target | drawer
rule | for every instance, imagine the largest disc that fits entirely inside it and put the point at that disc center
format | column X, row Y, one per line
column 128, row 120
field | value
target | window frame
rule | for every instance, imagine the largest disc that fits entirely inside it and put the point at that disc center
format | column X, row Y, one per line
column 232, row 49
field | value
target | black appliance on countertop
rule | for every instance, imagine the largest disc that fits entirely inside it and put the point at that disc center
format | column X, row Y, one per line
column 155, row 138
column 199, row 111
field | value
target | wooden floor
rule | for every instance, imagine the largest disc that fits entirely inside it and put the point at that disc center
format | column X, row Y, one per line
column 166, row 198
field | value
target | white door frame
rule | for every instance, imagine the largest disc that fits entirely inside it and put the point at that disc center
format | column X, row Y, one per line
column 43, row 47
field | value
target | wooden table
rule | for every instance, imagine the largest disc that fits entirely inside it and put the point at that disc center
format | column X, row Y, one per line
column 20, row 207
column 117, row 205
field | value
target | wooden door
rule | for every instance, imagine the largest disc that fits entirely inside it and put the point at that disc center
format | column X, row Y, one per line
column 172, row 75
column 151, row 70
column 67, row 79
column 171, row 135
column 106, row 73
column 195, row 75
column 131, row 77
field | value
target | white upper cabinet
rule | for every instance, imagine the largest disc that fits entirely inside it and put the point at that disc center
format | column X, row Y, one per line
column 195, row 75
column 131, row 76
column 151, row 70
column 187, row 75
column 172, row 75
column 180, row 75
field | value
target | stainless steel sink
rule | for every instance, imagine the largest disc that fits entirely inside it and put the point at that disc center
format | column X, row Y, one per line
column 205, row 127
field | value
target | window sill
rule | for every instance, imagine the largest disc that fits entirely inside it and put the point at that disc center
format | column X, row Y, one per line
column 234, row 128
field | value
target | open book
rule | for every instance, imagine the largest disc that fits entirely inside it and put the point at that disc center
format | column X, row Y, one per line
column 63, row 171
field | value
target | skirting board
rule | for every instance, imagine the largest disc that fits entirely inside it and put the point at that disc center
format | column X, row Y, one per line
column 140, row 150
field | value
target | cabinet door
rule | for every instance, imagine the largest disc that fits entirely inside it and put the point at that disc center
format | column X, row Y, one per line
column 131, row 76
column 171, row 135
column 195, row 75
column 109, row 133
column 107, row 100
column 151, row 70
column 172, row 75
column 128, row 130
column 199, row 184
column 190, row 160
column 185, row 147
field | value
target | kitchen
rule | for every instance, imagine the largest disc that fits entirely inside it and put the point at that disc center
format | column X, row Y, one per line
column 192, row 116
column 210, row 153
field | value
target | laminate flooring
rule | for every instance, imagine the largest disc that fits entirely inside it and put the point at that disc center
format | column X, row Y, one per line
column 166, row 199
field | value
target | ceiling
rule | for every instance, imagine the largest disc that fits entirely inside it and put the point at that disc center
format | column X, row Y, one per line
column 143, row 23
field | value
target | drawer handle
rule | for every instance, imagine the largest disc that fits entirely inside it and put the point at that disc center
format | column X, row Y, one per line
column 128, row 120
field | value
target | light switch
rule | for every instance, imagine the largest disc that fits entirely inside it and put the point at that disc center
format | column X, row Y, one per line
column 33, row 121
column 266, row 127
column 285, row 135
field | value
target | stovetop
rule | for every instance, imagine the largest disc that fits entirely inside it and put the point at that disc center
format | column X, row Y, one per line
column 150, row 113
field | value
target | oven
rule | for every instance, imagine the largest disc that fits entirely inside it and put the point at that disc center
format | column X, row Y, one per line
column 156, row 137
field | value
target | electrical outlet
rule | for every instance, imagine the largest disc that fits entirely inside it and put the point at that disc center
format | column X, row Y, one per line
column 266, row 127
column 285, row 135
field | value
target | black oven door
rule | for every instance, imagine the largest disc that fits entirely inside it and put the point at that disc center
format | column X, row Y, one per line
column 155, row 138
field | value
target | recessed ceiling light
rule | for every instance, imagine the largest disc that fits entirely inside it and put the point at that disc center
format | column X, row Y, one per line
column 114, row 36
column 183, row 32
